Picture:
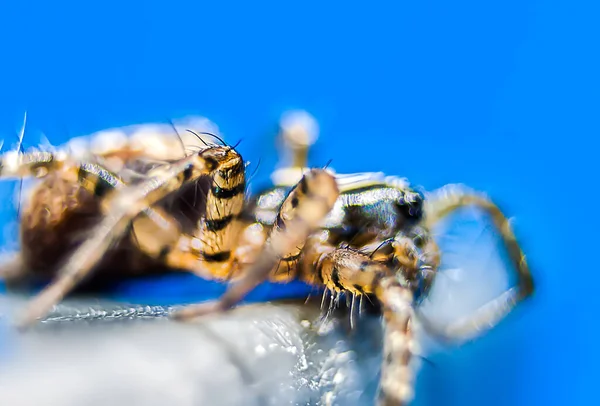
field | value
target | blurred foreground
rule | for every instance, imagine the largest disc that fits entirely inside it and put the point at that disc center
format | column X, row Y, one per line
column 256, row 355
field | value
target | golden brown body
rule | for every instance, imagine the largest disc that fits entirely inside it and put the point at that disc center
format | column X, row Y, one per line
column 106, row 216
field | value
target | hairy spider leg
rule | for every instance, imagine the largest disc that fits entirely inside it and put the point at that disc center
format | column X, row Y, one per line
column 301, row 213
column 119, row 209
column 111, row 148
column 448, row 200
column 396, row 385
column 37, row 164
column 348, row 270
column 152, row 229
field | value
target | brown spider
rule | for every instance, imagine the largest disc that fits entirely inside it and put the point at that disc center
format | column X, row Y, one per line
column 120, row 205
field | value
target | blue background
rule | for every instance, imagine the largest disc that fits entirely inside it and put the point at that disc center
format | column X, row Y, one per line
column 503, row 96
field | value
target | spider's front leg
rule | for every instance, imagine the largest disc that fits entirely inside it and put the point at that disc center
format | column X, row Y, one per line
column 36, row 164
column 345, row 270
column 301, row 213
column 396, row 386
column 443, row 203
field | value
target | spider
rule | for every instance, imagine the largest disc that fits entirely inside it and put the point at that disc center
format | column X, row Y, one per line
column 120, row 206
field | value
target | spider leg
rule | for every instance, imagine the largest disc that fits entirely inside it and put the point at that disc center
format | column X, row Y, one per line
column 348, row 270
column 154, row 230
column 396, row 383
column 300, row 214
column 12, row 269
column 99, row 182
column 120, row 208
column 186, row 255
column 448, row 200
column 147, row 143
column 38, row 164
column 110, row 148
column 14, row 164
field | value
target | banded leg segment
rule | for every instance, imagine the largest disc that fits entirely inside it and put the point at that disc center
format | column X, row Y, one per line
column 450, row 199
column 114, row 148
column 120, row 209
column 397, row 377
column 37, row 164
column 301, row 213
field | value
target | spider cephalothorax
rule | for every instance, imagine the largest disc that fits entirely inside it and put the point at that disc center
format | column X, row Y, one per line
column 145, row 203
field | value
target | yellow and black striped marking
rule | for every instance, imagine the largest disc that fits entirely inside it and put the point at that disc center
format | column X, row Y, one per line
column 97, row 180
column 120, row 208
column 220, row 228
column 301, row 213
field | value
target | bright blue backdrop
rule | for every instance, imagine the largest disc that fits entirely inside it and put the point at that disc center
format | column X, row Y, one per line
column 503, row 96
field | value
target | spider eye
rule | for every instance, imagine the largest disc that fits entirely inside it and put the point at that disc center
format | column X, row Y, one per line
column 411, row 205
